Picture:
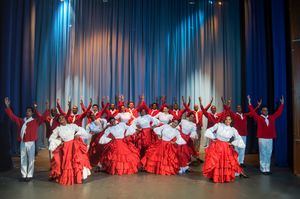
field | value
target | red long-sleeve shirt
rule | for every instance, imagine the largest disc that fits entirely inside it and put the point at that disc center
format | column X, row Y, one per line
column 31, row 133
column 264, row 130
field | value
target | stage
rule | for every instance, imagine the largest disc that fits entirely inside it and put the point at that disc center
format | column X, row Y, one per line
column 281, row 184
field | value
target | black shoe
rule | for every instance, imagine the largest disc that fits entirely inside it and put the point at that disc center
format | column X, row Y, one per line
column 264, row 173
column 29, row 179
column 22, row 179
column 268, row 173
column 243, row 165
column 243, row 175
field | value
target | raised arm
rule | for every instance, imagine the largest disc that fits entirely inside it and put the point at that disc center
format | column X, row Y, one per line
column 87, row 110
column 280, row 108
column 59, row 108
column 10, row 113
column 82, row 105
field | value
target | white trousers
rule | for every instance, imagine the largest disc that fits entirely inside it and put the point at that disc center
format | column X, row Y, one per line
column 265, row 153
column 27, row 158
column 241, row 151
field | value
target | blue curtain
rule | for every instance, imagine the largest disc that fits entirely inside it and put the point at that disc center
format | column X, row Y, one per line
column 68, row 49
column 265, row 55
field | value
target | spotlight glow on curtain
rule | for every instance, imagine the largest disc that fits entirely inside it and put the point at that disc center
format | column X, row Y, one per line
column 173, row 48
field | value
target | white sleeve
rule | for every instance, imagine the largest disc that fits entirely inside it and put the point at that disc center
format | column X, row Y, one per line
column 171, row 117
column 209, row 133
column 155, row 121
column 179, row 139
column 82, row 132
column 158, row 130
column 194, row 134
column 130, row 130
column 104, row 123
column 105, row 139
column 238, row 141
column 54, row 141
column 95, row 128
column 157, row 115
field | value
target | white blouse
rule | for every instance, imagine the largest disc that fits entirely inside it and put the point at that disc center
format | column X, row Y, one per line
column 167, row 133
column 145, row 121
column 119, row 131
column 189, row 128
column 224, row 133
column 164, row 118
column 97, row 126
column 66, row 133
column 124, row 117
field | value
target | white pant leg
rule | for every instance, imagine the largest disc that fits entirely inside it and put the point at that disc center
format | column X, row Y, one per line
column 30, row 148
column 241, row 151
column 265, row 153
column 24, row 161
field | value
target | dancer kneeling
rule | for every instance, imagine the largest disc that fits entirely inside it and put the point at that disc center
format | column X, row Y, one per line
column 221, row 160
column 188, row 132
column 161, row 157
column 119, row 156
column 70, row 163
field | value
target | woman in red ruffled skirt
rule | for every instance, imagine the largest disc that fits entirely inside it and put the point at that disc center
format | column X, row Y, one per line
column 119, row 156
column 221, row 160
column 70, row 163
column 161, row 157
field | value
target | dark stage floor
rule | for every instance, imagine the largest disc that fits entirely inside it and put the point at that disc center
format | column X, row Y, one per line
column 282, row 184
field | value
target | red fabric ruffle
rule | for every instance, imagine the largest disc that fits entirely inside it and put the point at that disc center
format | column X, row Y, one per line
column 96, row 149
column 144, row 139
column 161, row 158
column 68, row 162
column 120, row 157
column 221, row 162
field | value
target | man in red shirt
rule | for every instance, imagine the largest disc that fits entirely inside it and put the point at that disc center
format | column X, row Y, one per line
column 266, row 132
column 240, row 124
column 27, row 135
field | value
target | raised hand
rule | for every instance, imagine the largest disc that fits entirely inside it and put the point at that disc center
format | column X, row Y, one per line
column 249, row 99
column 200, row 100
column 282, row 100
column 69, row 104
column 91, row 100
column 57, row 100
column 183, row 100
column 35, row 105
column 259, row 102
column 212, row 99
column 7, row 102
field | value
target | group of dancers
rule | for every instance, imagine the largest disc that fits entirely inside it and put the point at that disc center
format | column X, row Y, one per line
column 123, row 138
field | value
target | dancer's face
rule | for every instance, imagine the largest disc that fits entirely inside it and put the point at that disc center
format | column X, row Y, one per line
column 143, row 112
column 264, row 111
column 166, row 110
column 95, row 109
column 123, row 109
column 192, row 118
column 196, row 107
column 75, row 109
column 131, row 105
column 154, row 106
column 213, row 109
column 175, row 106
column 62, row 120
column 29, row 112
column 53, row 112
column 112, row 106
column 239, row 108
column 174, row 123
column 228, row 121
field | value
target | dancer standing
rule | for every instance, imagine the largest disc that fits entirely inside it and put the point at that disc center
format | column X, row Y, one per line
column 27, row 135
column 221, row 160
column 266, row 132
column 70, row 163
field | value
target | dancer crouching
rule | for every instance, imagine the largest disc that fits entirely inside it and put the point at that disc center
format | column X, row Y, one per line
column 221, row 160
column 70, row 163
column 119, row 156
column 161, row 157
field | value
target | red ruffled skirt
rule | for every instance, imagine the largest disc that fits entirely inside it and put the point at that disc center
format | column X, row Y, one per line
column 120, row 157
column 221, row 162
column 185, row 151
column 96, row 149
column 161, row 158
column 144, row 139
column 68, row 162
